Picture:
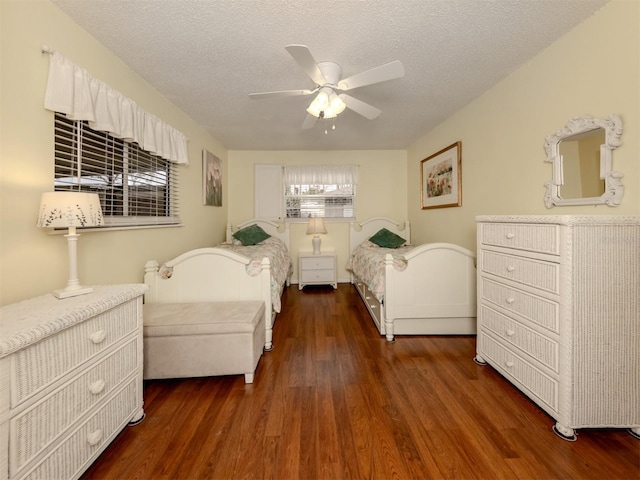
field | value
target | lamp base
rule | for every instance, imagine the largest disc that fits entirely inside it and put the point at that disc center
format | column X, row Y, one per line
column 66, row 293
column 316, row 244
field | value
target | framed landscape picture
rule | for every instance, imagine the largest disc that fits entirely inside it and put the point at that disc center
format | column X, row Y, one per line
column 211, row 179
column 441, row 178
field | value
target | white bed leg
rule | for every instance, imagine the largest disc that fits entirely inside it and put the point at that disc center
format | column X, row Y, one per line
column 268, row 343
column 248, row 377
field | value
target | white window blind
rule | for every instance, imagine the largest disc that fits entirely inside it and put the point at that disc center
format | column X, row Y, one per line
column 136, row 188
column 320, row 191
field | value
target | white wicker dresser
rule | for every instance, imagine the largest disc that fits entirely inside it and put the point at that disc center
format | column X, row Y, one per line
column 70, row 379
column 559, row 314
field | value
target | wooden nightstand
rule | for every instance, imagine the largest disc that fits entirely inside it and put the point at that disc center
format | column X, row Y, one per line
column 317, row 270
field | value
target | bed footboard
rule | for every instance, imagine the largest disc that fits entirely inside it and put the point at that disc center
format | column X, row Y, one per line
column 434, row 295
column 210, row 275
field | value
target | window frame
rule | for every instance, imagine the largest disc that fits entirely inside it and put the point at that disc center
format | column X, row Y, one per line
column 79, row 147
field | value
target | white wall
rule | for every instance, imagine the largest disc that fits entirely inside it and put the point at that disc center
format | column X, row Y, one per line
column 31, row 261
column 594, row 70
column 381, row 191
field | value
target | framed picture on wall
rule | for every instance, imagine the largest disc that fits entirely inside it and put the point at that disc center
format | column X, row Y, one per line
column 211, row 179
column 441, row 178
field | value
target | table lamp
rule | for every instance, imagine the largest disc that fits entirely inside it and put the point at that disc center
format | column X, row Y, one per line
column 316, row 226
column 70, row 210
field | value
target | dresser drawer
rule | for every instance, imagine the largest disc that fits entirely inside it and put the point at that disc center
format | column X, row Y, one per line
column 542, row 388
column 542, row 348
column 41, row 364
column 71, row 456
column 538, row 310
column 534, row 238
column 27, row 435
column 320, row 262
column 535, row 273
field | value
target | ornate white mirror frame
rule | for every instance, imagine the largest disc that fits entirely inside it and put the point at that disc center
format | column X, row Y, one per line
column 576, row 128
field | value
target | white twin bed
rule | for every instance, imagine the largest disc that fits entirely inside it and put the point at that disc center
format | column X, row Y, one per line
column 227, row 272
column 428, row 289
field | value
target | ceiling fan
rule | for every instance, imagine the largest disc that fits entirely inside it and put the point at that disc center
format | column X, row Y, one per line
column 329, row 102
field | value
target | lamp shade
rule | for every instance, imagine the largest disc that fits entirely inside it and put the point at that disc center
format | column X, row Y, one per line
column 316, row 225
column 70, row 209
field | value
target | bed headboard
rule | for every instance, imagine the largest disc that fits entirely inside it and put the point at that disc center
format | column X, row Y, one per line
column 277, row 230
column 359, row 232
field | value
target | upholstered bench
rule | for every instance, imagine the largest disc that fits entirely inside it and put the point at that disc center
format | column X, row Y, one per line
column 203, row 339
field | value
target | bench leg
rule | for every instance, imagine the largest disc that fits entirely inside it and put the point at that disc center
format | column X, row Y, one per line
column 248, row 377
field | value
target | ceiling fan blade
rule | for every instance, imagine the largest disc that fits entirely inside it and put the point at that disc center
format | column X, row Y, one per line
column 303, row 57
column 385, row 72
column 367, row 111
column 309, row 122
column 283, row 93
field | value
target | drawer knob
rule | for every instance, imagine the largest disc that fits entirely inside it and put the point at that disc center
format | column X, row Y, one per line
column 510, row 333
column 510, row 268
column 510, row 300
column 94, row 437
column 509, row 363
column 98, row 337
column 510, row 235
column 97, row 387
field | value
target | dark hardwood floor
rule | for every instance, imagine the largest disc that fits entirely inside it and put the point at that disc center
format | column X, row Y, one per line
column 334, row 400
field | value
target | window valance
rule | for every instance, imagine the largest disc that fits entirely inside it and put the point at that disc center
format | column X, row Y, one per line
column 321, row 175
column 71, row 90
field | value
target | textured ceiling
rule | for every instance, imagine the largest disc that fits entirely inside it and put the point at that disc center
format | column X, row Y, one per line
column 207, row 56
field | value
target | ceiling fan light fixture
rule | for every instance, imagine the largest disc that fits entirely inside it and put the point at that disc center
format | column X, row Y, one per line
column 336, row 104
column 326, row 104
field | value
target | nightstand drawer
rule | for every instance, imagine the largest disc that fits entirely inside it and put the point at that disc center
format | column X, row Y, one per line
column 315, row 263
column 315, row 276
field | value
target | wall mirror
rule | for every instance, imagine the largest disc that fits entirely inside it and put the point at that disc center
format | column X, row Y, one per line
column 581, row 157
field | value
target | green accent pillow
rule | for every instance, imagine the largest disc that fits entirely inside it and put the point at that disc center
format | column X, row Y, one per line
column 387, row 239
column 251, row 235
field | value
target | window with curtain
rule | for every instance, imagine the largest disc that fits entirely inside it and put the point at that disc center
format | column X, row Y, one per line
column 136, row 187
column 326, row 191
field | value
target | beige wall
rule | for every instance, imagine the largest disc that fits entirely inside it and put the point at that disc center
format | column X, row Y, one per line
column 593, row 70
column 32, row 262
column 381, row 191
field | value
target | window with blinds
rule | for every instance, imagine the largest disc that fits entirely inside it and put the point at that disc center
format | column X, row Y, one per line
column 136, row 188
column 328, row 201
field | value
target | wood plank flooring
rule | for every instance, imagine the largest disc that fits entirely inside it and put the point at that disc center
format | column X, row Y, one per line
column 335, row 400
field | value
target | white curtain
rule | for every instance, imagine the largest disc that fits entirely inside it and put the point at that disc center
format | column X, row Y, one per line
column 73, row 91
column 321, row 175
